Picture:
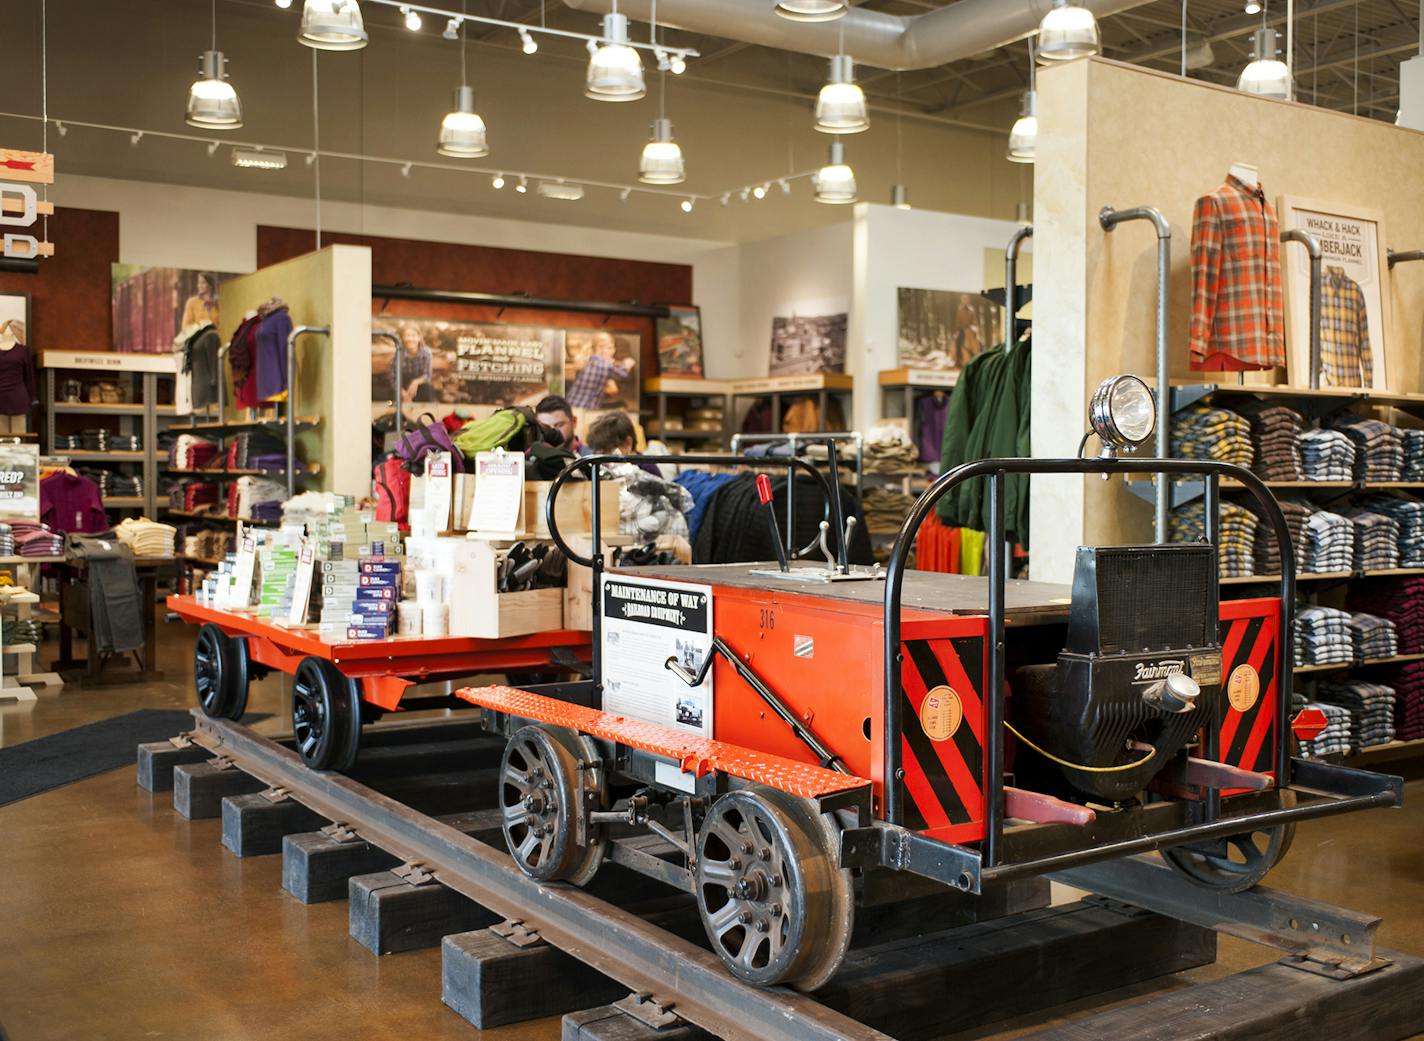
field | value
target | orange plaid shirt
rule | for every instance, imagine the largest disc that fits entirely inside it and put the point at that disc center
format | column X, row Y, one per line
column 1236, row 279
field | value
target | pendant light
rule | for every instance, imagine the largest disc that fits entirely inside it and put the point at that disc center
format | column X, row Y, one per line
column 812, row 10
column 462, row 131
column 1267, row 75
column 332, row 25
column 899, row 191
column 212, row 101
column 615, row 71
column 840, row 107
column 835, row 182
column 1066, row 32
column 1023, row 138
column 662, row 161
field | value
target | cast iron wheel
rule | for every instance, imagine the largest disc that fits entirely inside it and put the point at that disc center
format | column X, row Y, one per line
column 323, row 724
column 773, row 902
column 1235, row 863
column 545, row 775
column 220, row 673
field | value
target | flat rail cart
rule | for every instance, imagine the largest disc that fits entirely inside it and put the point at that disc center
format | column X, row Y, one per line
column 339, row 686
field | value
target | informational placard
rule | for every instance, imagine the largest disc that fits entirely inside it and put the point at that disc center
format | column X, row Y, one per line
column 19, row 482
column 240, row 592
column 499, row 495
column 301, row 591
column 438, row 491
column 646, row 623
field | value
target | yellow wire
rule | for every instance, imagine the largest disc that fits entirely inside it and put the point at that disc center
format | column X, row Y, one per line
column 1074, row 766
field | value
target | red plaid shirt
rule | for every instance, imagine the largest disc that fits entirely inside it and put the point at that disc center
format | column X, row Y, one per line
column 1236, row 279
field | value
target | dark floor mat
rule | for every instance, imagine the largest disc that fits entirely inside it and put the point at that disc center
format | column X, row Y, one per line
column 72, row 755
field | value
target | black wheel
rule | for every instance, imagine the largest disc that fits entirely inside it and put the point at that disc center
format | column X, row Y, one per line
column 1235, row 863
column 326, row 721
column 546, row 774
column 220, row 673
column 773, row 902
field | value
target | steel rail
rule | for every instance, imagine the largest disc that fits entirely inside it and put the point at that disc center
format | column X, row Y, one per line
column 691, row 980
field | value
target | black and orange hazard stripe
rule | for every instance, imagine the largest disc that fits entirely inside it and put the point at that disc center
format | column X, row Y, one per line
column 944, row 778
column 1250, row 639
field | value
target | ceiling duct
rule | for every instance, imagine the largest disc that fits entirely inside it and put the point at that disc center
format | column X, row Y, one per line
column 900, row 42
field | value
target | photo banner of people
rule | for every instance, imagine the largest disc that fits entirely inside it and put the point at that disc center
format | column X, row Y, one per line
column 152, row 305
column 447, row 365
column 601, row 369
column 942, row 329
column 1353, row 307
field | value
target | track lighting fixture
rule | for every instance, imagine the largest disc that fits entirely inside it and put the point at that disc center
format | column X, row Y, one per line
column 60, row 128
column 259, row 159
column 522, row 186
column 678, row 64
column 452, row 29
column 623, row 195
column 135, row 138
column 811, row 10
column 759, row 191
column 1023, row 138
column 687, row 205
column 785, row 186
column 212, row 148
column 405, row 170
column 744, row 194
column 662, row 161
column 835, row 182
column 311, row 159
column 497, row 181
column 840, row 107
column 1253, row 7
column 615, row 71
column 726, row 198
column 412, row 19
column 527, row 42
column 212, row 102
column 333, row 25
column 1066, row 32
column 1266, row 75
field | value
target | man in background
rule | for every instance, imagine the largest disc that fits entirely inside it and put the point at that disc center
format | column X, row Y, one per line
column 554, row 411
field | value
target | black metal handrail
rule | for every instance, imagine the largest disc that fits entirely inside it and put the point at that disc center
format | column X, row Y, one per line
column 995, row 470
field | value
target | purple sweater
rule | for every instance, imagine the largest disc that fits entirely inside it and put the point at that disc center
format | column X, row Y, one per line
column 69, row 502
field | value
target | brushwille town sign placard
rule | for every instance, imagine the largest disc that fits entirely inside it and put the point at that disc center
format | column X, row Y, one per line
column 20, row 205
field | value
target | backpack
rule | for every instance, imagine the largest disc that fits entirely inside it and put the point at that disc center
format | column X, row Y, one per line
column 391, row 482
column 427, row 437
column 512, row 429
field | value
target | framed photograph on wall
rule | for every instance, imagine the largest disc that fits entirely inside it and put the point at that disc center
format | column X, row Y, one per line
column 15, row 319
column 942, row 329
column 1354, row 304
column 680, row 342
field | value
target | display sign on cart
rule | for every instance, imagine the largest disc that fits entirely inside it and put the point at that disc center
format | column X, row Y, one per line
column 646, row 622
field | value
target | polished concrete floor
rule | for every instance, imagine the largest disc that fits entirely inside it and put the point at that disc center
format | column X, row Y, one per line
column 119, row 920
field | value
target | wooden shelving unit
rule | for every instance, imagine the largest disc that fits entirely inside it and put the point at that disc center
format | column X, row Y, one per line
column 671, row 398
column 900, row 388
column 822, row 386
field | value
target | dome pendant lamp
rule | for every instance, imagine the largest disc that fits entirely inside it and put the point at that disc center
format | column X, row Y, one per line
column 1067, row 32
column 462, row 131
column 212, row 101
column 615, row 71
column 835, row 182
column 662, row 161
column 840, row 107
column 812, row 10
column 332, row 25
column 1267, row 75
column 1023, row 138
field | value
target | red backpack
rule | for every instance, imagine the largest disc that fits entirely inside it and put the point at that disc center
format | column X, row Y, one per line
column 391, row 482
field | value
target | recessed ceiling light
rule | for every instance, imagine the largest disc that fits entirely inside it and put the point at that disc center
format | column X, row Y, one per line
column 259, row 159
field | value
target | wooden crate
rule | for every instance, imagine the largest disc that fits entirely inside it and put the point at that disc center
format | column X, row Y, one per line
column 578, row 591
column 574, row 507
column 477, row 610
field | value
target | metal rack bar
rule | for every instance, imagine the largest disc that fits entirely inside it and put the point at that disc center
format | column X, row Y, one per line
column 533, row 303
column 296, row 334
column 1312, row 246
column 1011, row 284
column 1403, row 256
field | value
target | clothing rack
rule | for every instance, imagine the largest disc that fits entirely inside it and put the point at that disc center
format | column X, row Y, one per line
column 1403, row 257
column 833, row 506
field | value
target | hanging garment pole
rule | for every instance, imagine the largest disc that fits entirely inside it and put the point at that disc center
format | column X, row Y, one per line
column 1312, row 246
column 400, row 386
column 298, row 332
column 1403, row 257
column 1011, row 286
column 515, row 300
column 1110, row 218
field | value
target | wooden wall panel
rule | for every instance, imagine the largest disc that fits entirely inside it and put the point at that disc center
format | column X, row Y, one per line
column 489, row 269
column 69, row 296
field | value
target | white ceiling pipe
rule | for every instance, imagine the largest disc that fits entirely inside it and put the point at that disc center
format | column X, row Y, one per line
column 885, row 41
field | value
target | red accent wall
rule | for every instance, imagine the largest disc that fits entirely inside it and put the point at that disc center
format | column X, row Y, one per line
column 69, row 296
column 490, row 269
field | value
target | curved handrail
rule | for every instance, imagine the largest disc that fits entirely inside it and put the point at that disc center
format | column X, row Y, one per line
column 993, row 693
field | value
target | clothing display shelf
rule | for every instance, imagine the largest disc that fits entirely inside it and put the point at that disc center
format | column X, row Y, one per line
column 901, row 388
column 851, row 472
column 669, row 399
column 822, row 387
column 18, row 676
column 143, row 382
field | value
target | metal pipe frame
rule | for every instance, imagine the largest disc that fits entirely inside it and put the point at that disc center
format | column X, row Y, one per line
column 1011, row 284
column 1110, row 218
column 996, row 470
column 531, row 303
column 399, row 387
column 831, row 439
column 1312, row 246
column 296, row 334
column 1403, row 256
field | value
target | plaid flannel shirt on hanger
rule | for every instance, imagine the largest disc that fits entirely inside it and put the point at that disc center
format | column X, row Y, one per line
column 1345, row 358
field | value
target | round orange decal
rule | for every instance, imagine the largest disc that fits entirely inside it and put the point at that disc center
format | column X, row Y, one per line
column 1243, row 688
column 941, row 713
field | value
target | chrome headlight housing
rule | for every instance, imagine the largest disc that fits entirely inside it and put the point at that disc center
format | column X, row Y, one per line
column 1123, row 413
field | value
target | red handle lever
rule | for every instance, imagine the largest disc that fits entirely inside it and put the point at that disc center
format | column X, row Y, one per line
column 764, row 489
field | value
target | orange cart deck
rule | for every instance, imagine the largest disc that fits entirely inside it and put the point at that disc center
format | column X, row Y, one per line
column 385, row 667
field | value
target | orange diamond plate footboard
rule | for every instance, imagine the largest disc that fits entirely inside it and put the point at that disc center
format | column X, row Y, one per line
column 695, row 755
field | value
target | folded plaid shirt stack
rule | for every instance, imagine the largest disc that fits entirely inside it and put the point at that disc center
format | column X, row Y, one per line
column 1323, row 637
column 1401, row 600
column 1371, row 707
column 1408, row 684
column 1413, row 454
column 1335, row 738
column 1275, row 434
column 1409, row 515
column 1374, row 636
column 1236, row 531
column 1266, row 553
column 1327, row 455
column 1379, row 449
column 1376, row 540
column 1202, row 432
column 1329, row 542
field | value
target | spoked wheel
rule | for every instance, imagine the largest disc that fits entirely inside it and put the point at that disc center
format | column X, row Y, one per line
column 545, row 775
column 220, row 673
column 1235, row 863
column 326, row 716
column 773, row 902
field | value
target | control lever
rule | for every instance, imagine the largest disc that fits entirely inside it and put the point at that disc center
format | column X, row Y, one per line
column 831, row 560
column 763, row 485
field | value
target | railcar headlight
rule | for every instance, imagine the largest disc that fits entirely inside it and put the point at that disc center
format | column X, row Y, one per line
column 1122, row 412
